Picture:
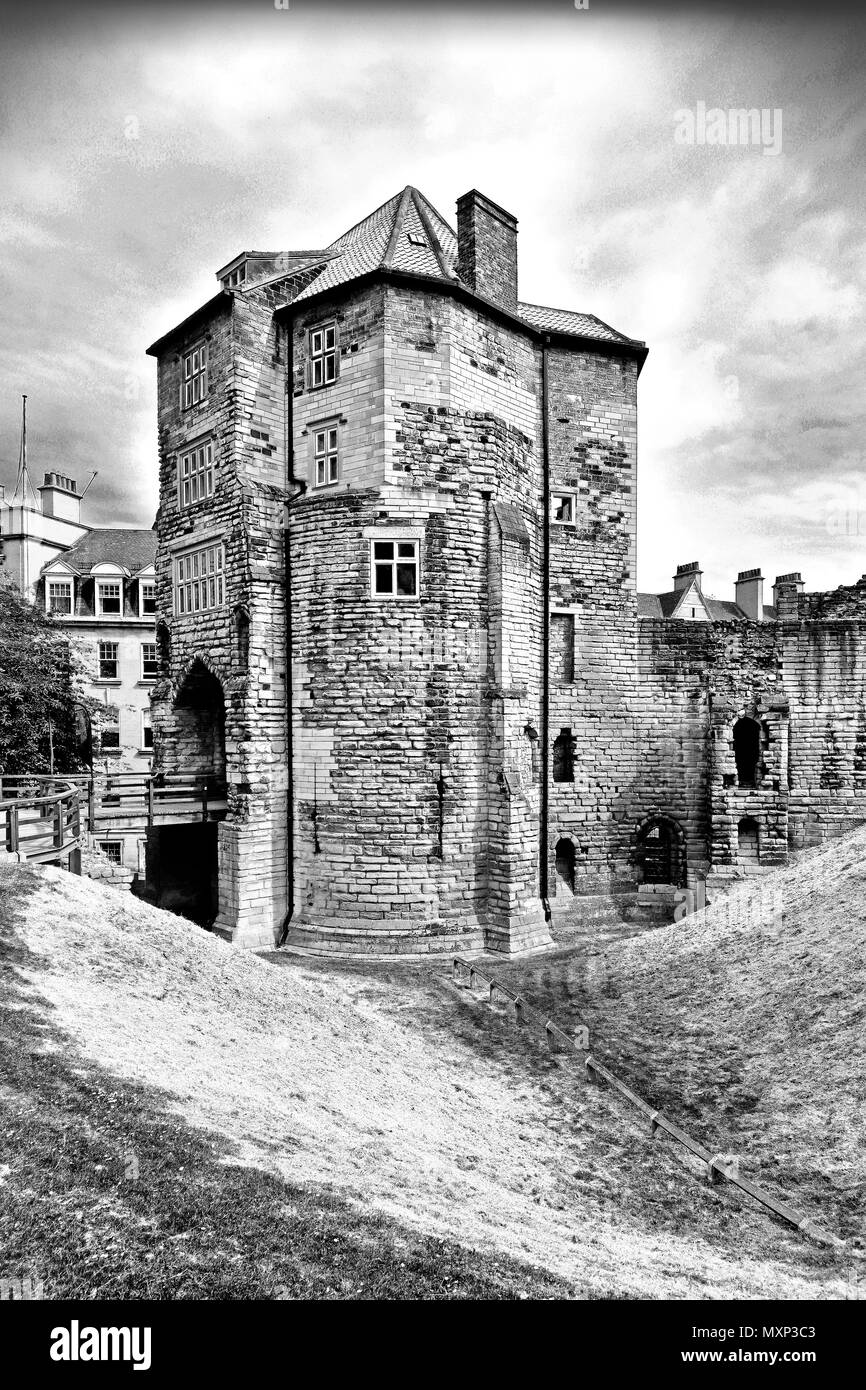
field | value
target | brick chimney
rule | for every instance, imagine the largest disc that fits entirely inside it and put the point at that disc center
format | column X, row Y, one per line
column 60, row 497
column 787, row 590
column 687, row 575
column 749, row 594
column 487, row 248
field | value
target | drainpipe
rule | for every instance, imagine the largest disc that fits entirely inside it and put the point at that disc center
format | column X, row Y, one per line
column 543, row 888
column 301, row 486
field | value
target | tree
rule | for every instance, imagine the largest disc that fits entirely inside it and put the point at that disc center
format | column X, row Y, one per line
column 40, row 686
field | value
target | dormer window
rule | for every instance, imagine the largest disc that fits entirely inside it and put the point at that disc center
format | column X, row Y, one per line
column 58, row 597
column 109, row 597
column 323, row 355
column 236, row 277
column 148, row 596
column 416, row 239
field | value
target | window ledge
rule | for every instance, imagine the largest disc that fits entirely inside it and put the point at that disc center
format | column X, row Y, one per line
column 107, row 680
column 148, row 681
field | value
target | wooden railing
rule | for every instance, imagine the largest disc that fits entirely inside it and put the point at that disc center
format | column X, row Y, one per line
column 44, row 826
column 142, row 799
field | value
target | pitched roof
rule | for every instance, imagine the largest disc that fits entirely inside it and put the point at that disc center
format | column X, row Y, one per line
column 407, row 233
column 130, row 548
column 720, row 610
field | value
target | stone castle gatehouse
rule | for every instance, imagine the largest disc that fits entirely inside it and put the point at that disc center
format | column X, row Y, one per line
column 398, row 614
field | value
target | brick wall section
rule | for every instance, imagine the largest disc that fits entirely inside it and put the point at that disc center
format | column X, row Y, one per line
column 593, row 456
column 487, row 242
column 244, row 415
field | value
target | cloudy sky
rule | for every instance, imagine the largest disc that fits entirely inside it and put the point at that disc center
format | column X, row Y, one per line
column 143, row 147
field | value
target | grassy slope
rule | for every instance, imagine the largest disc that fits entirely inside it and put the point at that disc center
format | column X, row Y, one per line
column 332, row 1131
column 747, row 1023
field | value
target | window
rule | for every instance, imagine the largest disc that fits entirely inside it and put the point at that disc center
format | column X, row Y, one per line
column 563, row 757
column 108, row 662
column 235, row 277
column 747, row 752
column 194, row 381
column 199, row 580
column 109, row 596
column 327, row 466
column 748, row 841
column 149, row 661
column 416, row 239
column 395, row 568
column 113, row 850
column 562, row 646
column 148, row 596
column 323, row 355
column 146, row 730
column 195, row 472
column 563, row 510
column 109, row 738
column 58, row 598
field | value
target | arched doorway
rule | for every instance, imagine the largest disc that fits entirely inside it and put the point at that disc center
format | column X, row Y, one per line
column 660, row 851
column 200, row 722
column 565, row 865
column 747, row 752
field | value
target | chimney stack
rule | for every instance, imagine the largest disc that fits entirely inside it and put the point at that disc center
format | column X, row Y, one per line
column 60, row 499
column 487, row 248
column 687, row 575
column 749, row 594
column 787, row 590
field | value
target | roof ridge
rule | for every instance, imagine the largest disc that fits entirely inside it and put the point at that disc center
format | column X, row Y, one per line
column 370, row 215
column 399, row 217
column 427, row 224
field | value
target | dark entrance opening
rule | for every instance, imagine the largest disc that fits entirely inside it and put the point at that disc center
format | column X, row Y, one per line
column 182, row 871
column 748, row 845
column 565, row 863
column 660, row 852
column 747, row 752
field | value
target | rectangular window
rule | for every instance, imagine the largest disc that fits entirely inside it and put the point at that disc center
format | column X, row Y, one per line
column 323, row 355
column 395, row 568
column 109, row 738
column 149, row 662
column 113, row 850
column 195, row 472
column 563, row 511
column 148, row 596
column 59, row 596
column 146, row 729
column 198, row 580
column 109, row 596
column 194, row 379
column 108, row 661
column 327, row 460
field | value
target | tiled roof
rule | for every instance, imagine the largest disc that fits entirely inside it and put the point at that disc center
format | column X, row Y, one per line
column 131, row 549
column 720, row 610
column 569, row 321
column 408, row 234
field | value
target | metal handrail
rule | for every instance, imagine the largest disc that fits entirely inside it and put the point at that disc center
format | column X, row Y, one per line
column 717, row 1167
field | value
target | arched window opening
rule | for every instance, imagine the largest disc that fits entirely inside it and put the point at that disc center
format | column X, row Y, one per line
column 747, row 752
column 748, row 842
column 563, row 757
column 565, row 864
